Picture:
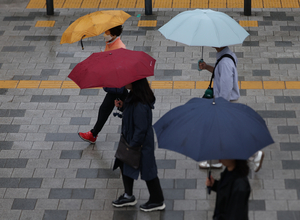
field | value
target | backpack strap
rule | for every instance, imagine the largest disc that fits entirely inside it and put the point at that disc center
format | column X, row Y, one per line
column 213, row 74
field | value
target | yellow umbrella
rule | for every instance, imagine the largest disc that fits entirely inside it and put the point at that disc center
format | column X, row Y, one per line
column 93, row 24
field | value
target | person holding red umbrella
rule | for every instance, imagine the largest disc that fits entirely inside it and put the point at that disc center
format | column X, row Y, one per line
column 138, row 132
column 113, row 42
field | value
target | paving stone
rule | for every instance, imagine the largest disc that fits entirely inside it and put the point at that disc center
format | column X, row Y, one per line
column 6, row 145
column 22, row 28
column 87, row 173
column 50, row 72
column 284, row 60
column 71, row 154
column 185, row 183
column 83, row 193
column 80, row 121
column 129, row 214
column 142, row 48
column 9, row 182
column 16, row 163
column 288, row 215
column 288, row 130
column 60, row 193
column 290, row 146
column 89, row 92
column 18, row 18
column 172, row 215
column 30, row 182
column 166, row 164
column 55, row 215
column 261, row 72
column 255, row 205
column 106, row 173
column 9, row 128
column 283, row 44
column 251, row 43
column 24, row 204
column 277, row 114
column 290, row 164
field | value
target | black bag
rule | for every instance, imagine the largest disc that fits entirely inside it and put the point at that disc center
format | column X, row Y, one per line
column 127, row 154
column 209, row 92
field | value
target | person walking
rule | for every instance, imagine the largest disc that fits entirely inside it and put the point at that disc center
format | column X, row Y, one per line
column 233, row 191
column 226, row 86
column 113, row 42
column 137, row 131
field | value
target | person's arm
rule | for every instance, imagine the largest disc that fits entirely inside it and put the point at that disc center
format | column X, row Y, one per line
column 205, row 66
column 140, row 123
column 226, row 80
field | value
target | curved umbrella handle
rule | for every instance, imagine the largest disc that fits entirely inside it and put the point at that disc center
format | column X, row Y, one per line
column 82, row 42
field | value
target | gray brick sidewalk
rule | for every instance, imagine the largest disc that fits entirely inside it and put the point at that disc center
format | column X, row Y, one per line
column 47, row 172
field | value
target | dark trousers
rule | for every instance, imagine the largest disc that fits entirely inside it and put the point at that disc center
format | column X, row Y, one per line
column 105, row 110
column 154, row 188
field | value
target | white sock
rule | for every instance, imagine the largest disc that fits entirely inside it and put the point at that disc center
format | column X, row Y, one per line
column 127, row 196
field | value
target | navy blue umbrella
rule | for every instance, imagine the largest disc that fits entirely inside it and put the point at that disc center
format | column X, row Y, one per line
column 203, row 129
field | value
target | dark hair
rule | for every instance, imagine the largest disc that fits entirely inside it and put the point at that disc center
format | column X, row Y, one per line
column 116, row 31
column 141, row 92
column 242, row 167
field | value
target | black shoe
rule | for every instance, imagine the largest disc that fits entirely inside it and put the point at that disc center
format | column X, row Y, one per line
column 122, row 201
column 150, row 206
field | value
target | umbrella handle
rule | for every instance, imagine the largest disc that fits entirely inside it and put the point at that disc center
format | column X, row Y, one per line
column 209, row 187
column 82, row 42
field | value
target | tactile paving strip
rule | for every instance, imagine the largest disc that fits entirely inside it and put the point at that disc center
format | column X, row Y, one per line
column 44, row 23
column 199, row 3
column 48, row 84
column 90, row 3
column 147, row 23
column 36, row 4
column 72, row 4
column 248, row 23
column 127, row 4
column 181, row 3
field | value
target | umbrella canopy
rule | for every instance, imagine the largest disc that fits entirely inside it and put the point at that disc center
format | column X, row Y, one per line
column 93, row 24
column 114, row 69
column 203, row 130
column 204, row 28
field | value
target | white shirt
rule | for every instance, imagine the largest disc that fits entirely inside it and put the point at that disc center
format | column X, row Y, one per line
column 226, row 77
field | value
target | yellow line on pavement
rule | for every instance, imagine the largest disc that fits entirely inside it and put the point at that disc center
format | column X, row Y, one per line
column 51, row 84
column 165, row 4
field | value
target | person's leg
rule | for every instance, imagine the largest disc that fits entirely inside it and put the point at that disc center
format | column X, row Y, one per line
column 127, row 199
column 105, row 110
column 155, row 191
column 156, row 200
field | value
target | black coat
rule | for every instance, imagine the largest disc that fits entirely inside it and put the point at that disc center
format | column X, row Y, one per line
column 137, row 130
column 232, row 196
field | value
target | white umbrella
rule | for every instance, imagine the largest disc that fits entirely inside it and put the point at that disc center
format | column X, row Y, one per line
column 204, row 28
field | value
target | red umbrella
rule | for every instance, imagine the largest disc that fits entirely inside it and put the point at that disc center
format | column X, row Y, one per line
column 113, row 69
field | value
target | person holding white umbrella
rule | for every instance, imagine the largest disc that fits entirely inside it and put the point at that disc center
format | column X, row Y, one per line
column 226, row 86
column 213, row 29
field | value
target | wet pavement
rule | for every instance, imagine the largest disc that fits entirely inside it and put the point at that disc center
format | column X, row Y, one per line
column 47, row 172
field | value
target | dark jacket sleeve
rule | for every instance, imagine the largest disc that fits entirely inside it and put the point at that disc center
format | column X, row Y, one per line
column 114, row 90
column 238, row 202
column 140, row 123
column 215, row 186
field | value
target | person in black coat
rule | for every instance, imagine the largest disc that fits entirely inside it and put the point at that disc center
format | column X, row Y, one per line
column 233, row 191
column 138, row 132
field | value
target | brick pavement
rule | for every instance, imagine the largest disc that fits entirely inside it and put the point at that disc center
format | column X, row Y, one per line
column 47, row 172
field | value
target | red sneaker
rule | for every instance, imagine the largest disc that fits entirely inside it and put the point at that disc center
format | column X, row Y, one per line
column 88, row 136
